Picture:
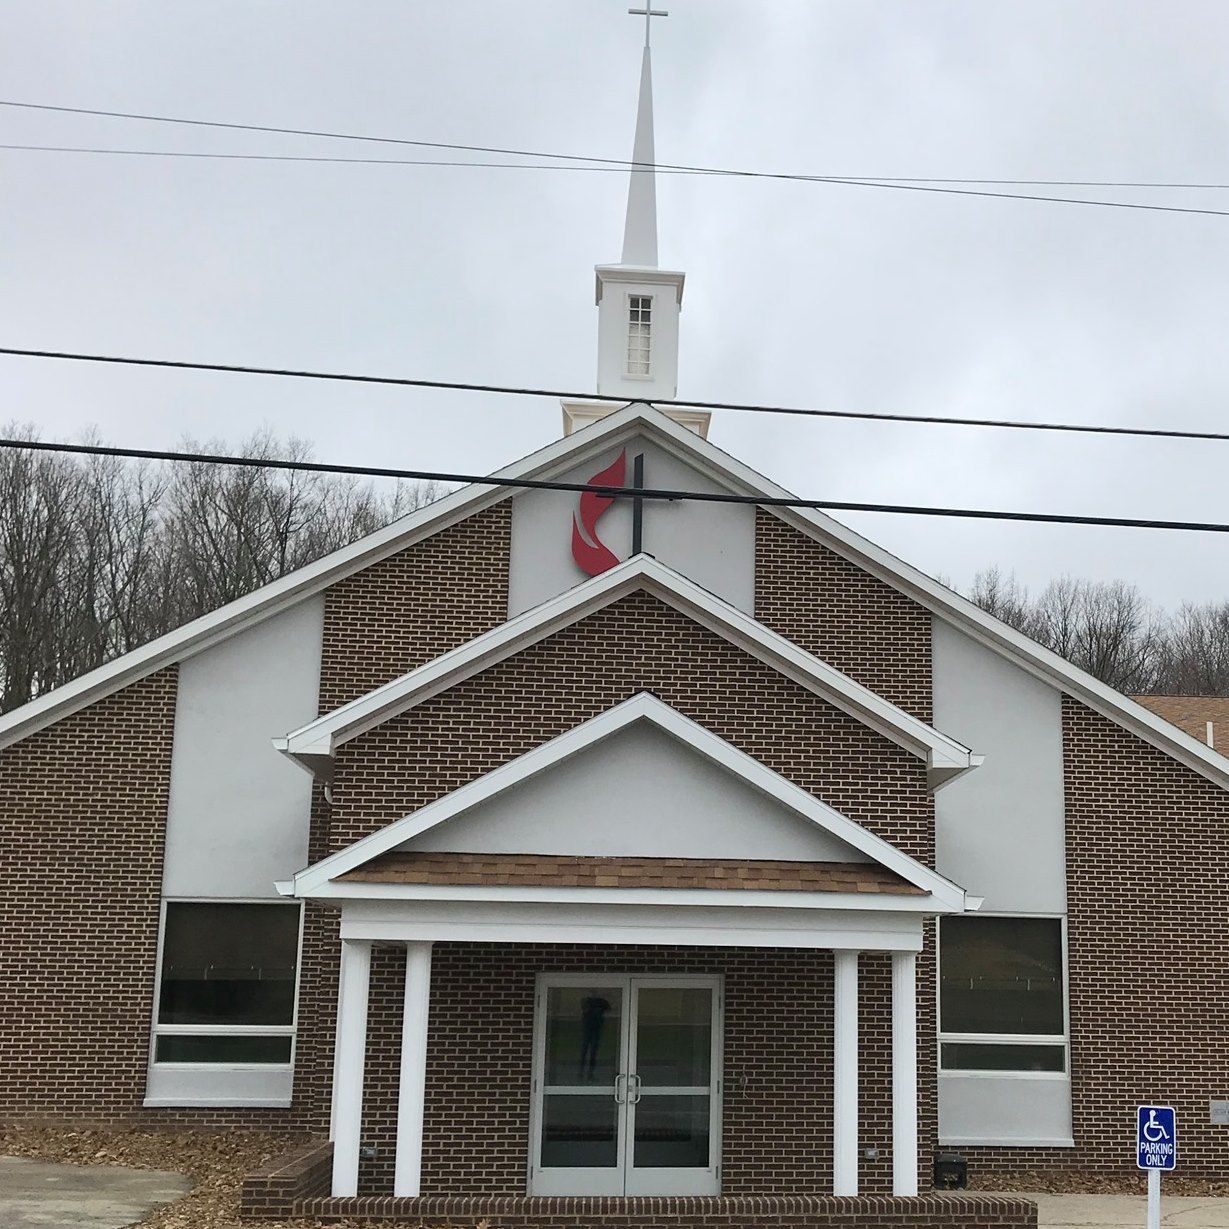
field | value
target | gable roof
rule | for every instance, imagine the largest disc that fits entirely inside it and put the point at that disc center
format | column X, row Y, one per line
column 314, row 744
column 550, row 462
column 322, row 878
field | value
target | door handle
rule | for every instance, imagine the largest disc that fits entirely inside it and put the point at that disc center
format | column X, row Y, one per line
column 634, row 1098
column 620, row 1089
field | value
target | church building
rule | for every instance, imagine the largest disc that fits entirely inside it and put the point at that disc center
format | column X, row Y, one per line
column 557, row 853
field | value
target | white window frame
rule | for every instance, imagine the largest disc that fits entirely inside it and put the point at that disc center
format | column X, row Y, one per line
column 627, row 321
column 1062, row 1039
column 223, row 1030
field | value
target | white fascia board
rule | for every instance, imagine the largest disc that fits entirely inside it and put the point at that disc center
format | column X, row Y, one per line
column 947, row 604
column 926, row 905
column 945, row 757
column 484, row 922
column 271, row 599
column 641, row 707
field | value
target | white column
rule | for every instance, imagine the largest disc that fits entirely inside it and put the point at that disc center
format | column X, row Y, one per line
column 845, row 1074
column 411, row 1096
column 904, row 1073
column 349, row 1055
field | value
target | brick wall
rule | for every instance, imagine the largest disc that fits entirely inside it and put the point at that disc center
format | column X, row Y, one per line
column 777, row 1063
column 411, row 607
column 1147, row 951
column 636, row 644
column 847, row 617
column 735, row 1212
column 378, row 624
column 81, row 839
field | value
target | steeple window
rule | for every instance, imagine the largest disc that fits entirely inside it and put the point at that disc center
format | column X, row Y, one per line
column 639, row 334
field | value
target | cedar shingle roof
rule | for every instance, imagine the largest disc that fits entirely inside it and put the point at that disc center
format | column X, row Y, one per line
column 551, row 871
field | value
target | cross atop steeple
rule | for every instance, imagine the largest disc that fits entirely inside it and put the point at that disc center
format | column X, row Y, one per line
column 638, row 302
column 648, row 13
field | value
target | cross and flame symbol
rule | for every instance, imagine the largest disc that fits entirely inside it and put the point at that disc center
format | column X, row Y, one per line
column 592, row 555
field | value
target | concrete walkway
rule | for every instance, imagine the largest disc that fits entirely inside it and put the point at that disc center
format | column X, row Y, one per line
column 41, row 1195
column 1128, row 1212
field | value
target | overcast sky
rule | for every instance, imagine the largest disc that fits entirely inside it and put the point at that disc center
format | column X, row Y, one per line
column 801, row 294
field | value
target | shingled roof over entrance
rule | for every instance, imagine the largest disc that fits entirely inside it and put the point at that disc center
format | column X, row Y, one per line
column 546, row 870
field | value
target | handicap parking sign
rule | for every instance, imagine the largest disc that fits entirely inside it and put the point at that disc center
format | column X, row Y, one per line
column 1156, row 1137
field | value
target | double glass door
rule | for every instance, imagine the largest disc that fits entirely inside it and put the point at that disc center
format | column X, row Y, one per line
column 626, row 1086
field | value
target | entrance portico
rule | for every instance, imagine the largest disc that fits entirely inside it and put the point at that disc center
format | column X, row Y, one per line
column 670, row 1067
column 416, row 927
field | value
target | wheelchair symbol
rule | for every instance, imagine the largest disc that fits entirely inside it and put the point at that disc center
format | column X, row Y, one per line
column 1153, row 1131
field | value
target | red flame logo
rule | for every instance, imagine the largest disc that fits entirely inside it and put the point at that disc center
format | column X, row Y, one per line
column 589, row 551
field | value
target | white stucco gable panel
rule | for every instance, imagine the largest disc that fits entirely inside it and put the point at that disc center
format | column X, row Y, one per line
column 638, row 793
column 938, row 894
column 238, row 812
column 1000, row 830
column 711, row 544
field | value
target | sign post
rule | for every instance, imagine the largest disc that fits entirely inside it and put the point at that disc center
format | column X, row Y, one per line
column 1156, row 1149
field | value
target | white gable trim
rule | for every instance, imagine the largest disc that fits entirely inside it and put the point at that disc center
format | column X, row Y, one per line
column 550, row 462
column 315, row 743
column 947, row 604
column 315, row 880
column 218, row 625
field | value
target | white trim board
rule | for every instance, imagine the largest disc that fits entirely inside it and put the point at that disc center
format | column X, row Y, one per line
column 396, row 921
column 315, row 881
column 315, row 744
column 550, row 462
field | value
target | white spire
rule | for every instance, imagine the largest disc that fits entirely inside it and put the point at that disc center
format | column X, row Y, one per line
column 640, row 230
column 638, row 303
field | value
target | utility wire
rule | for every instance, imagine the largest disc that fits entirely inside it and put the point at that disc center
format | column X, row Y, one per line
column 655, row 493
column 896, row 185
column 621, row 168
column 513, row 391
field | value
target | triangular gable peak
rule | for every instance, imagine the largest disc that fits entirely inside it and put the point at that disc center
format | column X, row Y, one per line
column 836, row 839
column 315, row 744
column 725, row 473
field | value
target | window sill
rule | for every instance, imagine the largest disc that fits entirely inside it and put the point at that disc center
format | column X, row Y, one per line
column 216, row 1103
column 971, row 1141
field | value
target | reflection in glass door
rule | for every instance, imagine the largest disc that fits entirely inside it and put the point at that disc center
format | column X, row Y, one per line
column 626, row 1084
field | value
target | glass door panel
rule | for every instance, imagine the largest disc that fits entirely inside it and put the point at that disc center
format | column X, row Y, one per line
column 626, row 1087
column 581, row 1084
column 671, row 1101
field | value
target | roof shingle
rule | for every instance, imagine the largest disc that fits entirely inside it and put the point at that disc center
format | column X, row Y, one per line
column 553, row 871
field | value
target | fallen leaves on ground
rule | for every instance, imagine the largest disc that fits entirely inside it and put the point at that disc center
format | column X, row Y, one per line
column 216, row 1163
column 1075, row 1182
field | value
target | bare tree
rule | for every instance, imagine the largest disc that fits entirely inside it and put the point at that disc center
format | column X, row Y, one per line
column 1196, row 655
column 100, row 556
column 1105, row 627
column 1002, row 596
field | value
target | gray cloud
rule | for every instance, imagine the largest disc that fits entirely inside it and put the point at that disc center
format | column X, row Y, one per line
column 805, row 294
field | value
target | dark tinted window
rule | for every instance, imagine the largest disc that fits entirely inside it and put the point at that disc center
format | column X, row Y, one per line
column 228, row 964
column 1001, row 975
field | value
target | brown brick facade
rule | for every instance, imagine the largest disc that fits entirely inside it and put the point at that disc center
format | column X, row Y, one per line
column 843, row 615
column 930, row 1211
column 378, row 624
column 84, row 817
column 407, row 609
column 636, row 644
column 777, row 1055
column 1146, row 934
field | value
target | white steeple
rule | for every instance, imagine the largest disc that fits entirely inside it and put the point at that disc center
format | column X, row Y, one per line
column 640, row 230
column 638, row 303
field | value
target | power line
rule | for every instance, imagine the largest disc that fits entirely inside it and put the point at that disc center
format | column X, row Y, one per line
column 621, row 167
column 514, row 391
column 655, row 493
column 896, row 185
